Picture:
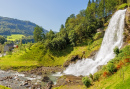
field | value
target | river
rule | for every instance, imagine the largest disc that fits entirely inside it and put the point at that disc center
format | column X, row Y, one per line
column 16, row 80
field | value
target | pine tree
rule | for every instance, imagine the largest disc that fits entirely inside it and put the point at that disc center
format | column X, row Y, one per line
column 89, row 3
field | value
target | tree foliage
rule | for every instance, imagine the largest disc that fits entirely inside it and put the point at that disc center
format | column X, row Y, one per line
column 116, row 51
column 86, row 81
column 38, row 34
column 82, row 26
column 2, row 39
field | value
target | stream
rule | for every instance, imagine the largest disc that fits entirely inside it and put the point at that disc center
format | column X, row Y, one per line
column 16, row 80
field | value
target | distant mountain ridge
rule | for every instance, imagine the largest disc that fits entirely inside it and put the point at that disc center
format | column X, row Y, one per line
column 10, row 26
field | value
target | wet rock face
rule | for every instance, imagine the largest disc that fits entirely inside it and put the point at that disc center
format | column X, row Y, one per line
column 93, row 54
column 127, row 26
column 73, row 59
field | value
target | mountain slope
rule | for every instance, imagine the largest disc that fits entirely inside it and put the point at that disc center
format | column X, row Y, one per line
column 10, row 26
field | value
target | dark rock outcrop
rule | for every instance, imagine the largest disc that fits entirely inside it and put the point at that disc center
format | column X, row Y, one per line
column 93, row 54
column 46, row 79
column 73, row 59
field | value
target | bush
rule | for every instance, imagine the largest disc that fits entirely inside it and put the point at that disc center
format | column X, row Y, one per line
column 91, row 76
column 105, row 74
column 86, row 81
column 96, row 76
column 111, row 68
column 116, row 50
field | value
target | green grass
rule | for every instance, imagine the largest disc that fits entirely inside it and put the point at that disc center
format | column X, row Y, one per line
column 3, row 87
column 114, row 81
column 71, row 87
column 93, row 47
column 122, row 6
column 14, row 62
column 14, row 37
column 55, row 57
column 36, row 55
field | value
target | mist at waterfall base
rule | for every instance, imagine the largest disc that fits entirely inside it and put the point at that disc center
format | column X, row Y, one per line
column 113, row 37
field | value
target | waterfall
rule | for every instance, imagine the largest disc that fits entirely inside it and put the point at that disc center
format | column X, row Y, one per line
column 113, row 37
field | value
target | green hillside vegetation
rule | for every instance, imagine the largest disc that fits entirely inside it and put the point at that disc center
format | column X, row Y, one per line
column 10, row 26
column 119, row 79
column 77, row 35
column 15, row 37
column 13, row 61
column 31, row 56
column 115, row 81
column 114, row 75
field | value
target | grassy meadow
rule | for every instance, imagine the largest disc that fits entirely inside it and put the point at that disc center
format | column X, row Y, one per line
column 14, row 37
column 35, row 55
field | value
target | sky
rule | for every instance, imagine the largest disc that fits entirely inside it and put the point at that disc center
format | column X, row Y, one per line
column 49, row 14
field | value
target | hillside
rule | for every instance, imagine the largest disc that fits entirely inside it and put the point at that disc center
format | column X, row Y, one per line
column 10, row 26
column 79, row 39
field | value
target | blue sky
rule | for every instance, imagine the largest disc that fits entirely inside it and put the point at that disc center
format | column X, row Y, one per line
column 49, row 14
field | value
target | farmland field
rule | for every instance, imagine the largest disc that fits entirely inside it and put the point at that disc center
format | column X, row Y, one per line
column 14, row 37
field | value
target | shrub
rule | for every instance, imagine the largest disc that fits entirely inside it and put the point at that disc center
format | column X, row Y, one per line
column 111, row 68
column 91, row 76
column 116, row 50
column 96, row 76
column 86, row 81
column 105, row 74
column 127, row 60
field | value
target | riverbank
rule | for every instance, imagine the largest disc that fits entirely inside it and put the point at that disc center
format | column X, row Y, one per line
column 36, row 78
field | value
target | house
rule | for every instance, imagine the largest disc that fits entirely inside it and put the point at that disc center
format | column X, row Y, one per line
column 15, row 46
column 9, row 47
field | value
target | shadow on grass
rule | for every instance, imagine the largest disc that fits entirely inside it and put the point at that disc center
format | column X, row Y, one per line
column 63, row 52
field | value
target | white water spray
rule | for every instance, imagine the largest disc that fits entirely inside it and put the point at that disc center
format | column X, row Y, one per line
column 113, row 37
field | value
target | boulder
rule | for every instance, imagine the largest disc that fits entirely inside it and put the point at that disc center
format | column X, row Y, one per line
column 46, row 79
column 73, row 59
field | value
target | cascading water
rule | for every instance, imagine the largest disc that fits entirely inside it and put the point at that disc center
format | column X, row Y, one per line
column 113, row 37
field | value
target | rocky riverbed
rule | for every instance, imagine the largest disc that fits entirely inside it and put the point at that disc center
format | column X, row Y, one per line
column 39, row 78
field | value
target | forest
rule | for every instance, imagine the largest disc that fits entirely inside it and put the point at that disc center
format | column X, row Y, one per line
column 80, row 27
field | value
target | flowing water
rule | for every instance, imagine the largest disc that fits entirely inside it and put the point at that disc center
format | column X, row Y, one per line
column 113, row 37
column 17, row 80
